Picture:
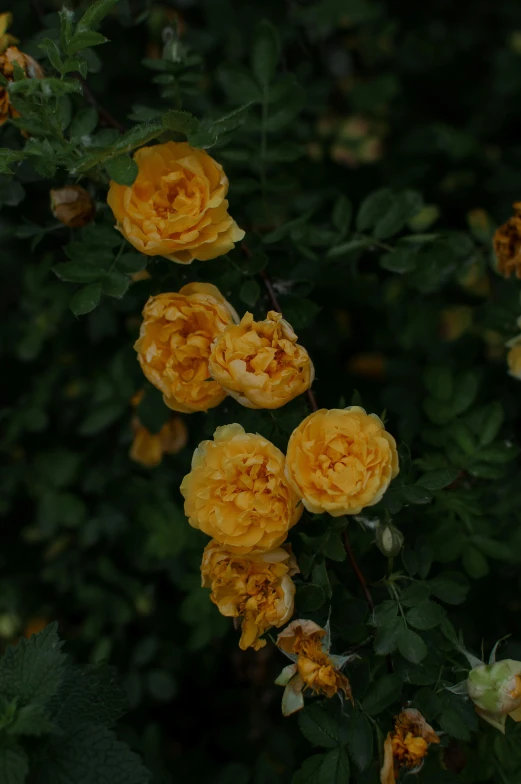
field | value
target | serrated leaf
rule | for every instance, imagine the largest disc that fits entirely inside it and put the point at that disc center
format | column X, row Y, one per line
column 309, row 770
column 319, row 727
column 425, row 615
column 122, row 170
column 265, row 53
column 83, row 40
column 30, row 720
column 411, row 646
column 382, row 694
column 89, row 694
column 450, row 587
column 180, row 122
column 32, row 669
column 415, row 494
column 83, row 123
column 52, row 51
column 94, row 15
column 360, row 741
column 249, row 292
column 436, row 480
column 77, row 272
column 91, row 754
column 387, row 636
column 115, row 284
column 14, row 765
column 334, row 768
column 86, row 299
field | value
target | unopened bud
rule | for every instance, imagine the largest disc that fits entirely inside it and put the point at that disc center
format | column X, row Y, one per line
column 72, row 206
column 389, row 539
column 496, row 688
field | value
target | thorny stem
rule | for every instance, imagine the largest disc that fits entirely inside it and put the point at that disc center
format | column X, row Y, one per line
column 107, row 118
column 359, row 574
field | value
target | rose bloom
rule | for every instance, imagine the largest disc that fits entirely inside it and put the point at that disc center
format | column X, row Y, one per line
column 507, row 244
column 148, row 448
column 174, row 345
column 341, row 460
column 514, row 357
column 72, row 206
column 315, row 668
column 177, row 206
column 31, row 69
column 257, row 588
column 407, row 745
column 260, row 363
column 237, row 493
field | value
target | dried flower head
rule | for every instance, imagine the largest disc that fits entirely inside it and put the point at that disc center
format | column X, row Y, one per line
column 407, row 745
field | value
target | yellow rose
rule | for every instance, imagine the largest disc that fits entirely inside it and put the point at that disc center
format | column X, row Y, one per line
column 237, row 493
column 341, row 460
column 258, row 588
column 260, row 363
column 514, row 357
column 177, row 206
column 31, row 69
column 148, row 448
column 174, row 345
column 72, row 206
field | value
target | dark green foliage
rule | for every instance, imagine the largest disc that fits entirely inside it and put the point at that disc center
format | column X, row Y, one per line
column 371, row 151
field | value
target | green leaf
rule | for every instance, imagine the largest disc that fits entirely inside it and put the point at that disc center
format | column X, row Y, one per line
column 332, row 546
column 360, row 741
column 122, row 170
column 89, row 694
column 342, row 215
column 402, row 207
column 115, row 284
column 319, row 727
column 53, row 53
column 425, row 615
column 334, row 768
column 180, row 122
column 346, row 247
column 415, row 494
column 383, row 693
column 86, row 299
column 265, row 53
column 30, row 720
column 491, row 421
column 372, row 208
column 14, row 765
column 309, row 771
column 100, row 418
column 83, row 123
column 83, row 40
column 400, row 260
column 91, row 754
column 310, row 598
column 32, row 670
column 411, row 646
column 132, row 262
column 8, row 157
column 94, row 15
column 249, row 292
column 77, row 272
column 474, row 562
column 439, row 382
column 436, row 480
column 450, row 587
column 387, row 635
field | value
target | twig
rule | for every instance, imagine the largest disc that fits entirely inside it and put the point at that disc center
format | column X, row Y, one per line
column 358, row 571
column 38, row 10
column 107, row 118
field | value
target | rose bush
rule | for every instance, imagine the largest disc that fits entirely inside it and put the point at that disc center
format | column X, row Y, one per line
column 207, row 181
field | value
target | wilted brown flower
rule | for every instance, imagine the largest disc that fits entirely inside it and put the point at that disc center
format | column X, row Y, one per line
column 407, row 745
column 507, row 244
column 72, row 206
column 30, row 67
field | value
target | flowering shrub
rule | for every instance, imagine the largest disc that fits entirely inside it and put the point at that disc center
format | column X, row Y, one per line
column 261, row 356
